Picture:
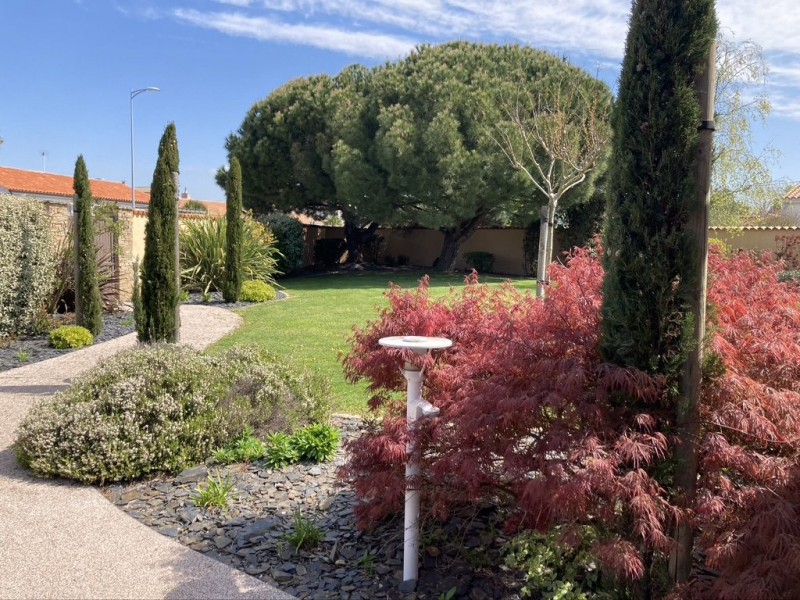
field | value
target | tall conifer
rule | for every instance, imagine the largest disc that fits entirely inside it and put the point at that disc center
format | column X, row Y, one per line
column 159, row 268
column 652, row 251
column 232, row 287
column 89, row 304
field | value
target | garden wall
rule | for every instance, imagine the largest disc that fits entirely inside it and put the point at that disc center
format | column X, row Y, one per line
column 422, row 246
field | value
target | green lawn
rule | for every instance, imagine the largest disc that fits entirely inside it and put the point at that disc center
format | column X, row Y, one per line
column 310, row 328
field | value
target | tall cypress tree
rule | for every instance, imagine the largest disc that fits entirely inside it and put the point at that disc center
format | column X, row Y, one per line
column 652, row 252
column 159, row 268
column 89, row 304
column 232, row 287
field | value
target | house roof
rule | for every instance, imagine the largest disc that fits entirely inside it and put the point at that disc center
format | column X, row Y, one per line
column 793, row 194
column 215, row 209
column 20, row 181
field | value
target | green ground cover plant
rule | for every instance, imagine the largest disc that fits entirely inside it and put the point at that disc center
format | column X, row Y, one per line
column 257, row 291
column 311, row 328
column 216, row 493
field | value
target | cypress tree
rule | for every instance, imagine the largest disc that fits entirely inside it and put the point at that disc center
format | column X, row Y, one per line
column 652, row 191
column 652, row 251
column 159, row 268
column 232, row 287
column 89, row 304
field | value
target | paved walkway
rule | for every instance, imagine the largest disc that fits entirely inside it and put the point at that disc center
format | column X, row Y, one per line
column 59, row 540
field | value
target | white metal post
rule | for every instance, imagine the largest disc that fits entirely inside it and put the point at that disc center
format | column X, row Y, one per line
column 416, row 408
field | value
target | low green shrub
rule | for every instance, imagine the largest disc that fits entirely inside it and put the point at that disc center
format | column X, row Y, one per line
column 162, row 408
column 280, row 451
column 257, row 291
column 328, row 252
column 290, row 241
column 216, row 493
column 305, row 535
column 316, row 443
column 554, row 570
column 244, row 450
column 71, row 337
column 482, row 262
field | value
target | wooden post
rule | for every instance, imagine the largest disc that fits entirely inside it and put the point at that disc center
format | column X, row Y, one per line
column 688, row 411
column 177, row 181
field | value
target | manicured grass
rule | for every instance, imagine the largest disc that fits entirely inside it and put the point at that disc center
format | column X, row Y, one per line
column 311, row 327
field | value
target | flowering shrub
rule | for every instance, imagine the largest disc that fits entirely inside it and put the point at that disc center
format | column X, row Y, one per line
column 27, row 263
column 531, row 416
column 160, row 409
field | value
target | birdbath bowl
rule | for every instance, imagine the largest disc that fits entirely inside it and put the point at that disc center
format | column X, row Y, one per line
column 417, row 343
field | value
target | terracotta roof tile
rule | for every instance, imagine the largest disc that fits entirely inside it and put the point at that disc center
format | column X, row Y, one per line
column 49, row 184
column 794, row 193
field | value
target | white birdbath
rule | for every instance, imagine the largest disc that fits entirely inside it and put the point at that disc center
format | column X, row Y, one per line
column 417, row 408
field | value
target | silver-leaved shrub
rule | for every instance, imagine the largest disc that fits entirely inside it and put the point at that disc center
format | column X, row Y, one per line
column 27, row 263
column 162, row 408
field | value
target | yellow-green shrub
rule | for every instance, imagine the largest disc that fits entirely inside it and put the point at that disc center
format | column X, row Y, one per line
column 257, row 291
column 71, row 336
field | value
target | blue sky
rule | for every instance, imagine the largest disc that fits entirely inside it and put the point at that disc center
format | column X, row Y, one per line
column 67, row 66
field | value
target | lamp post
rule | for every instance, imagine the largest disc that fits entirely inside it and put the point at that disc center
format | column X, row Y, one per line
column 135, row 93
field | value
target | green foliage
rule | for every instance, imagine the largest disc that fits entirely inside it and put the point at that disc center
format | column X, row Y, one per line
column 328, row 252
column 138, row 307
column 290, row 241
column 280, row 451
column 89, row 304
column 159, row 276
column 71, row 337
column 742, row 187
column 27, row 263
column 160, row 408
column 22, row 356
column 195, row 205
column 305, row 535
column 482, row 262
column 234, row 235
column 246, row 449
column 316, row 443
column 257, row 291
column 215, row 494
column 554, row 570
column 649, row 255
column 203, row 253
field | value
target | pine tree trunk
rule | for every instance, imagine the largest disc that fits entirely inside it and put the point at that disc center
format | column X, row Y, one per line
column 355, row 237
column 453, row 238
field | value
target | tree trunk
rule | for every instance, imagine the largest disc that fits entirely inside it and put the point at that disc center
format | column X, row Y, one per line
column 688, row 410
column 541, row 260
column 551, row 225
column 355, row 237
column 453, row 238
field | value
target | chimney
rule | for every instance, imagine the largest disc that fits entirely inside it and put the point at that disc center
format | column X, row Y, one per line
column 185, row 195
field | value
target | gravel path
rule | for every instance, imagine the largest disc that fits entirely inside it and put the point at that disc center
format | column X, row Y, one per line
column 463, row 554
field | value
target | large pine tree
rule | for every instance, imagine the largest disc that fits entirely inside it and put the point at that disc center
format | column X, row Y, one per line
column 88, row 302
column 159, row 269
column 652, row 251
column 232, row 287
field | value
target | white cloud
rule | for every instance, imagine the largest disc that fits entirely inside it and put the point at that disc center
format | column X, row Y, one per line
column 591, row 29
column 329, row 38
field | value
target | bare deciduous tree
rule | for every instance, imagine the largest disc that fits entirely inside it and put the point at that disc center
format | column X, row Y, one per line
column 555, row 144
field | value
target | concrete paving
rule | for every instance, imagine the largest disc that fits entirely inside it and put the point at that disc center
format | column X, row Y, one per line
column 60, row 540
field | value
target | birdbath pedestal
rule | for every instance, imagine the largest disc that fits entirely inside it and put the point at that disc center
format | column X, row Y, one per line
column 417, row 408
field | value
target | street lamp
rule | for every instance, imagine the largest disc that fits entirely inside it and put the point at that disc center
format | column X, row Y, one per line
column 135, row 93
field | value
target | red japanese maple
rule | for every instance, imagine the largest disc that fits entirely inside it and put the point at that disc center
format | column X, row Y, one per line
column 531, row 416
